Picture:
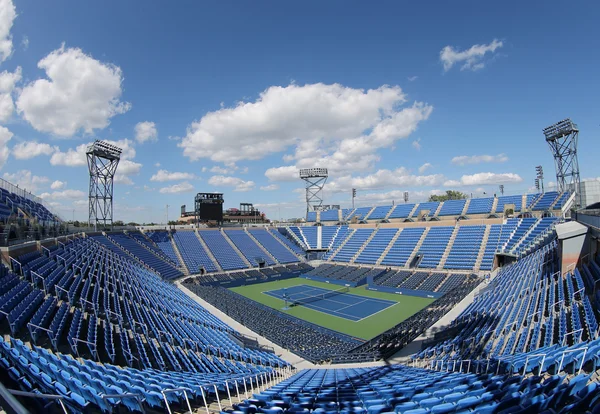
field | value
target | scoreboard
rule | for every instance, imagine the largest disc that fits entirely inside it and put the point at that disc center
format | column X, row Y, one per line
column 209, row 207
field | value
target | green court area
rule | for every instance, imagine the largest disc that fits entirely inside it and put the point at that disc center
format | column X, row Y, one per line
column 366, row 328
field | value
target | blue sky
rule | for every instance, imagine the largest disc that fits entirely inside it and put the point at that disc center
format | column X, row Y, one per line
column 235, row 97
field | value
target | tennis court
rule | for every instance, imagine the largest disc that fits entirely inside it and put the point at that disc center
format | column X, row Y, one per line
column 341, row 304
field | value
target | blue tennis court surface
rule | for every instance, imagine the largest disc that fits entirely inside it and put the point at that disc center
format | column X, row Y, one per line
column 344, row 305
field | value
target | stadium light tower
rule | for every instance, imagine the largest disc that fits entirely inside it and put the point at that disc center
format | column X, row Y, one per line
column 562, row 138
column 103, row 159
column 314, row 179
column 540, row 176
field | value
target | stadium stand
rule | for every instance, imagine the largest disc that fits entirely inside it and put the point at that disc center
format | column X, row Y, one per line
column 465, row 248
column 270, row 243
column 311, row 216
column 248, row 247
column 312, row 342
column 434, row 245
column 376, row 246
column 505, row 201
column 403, row 247
column 192, row 252
column 452, row 208
column 401, row 211
column 330, row 215
column 222, row 250
column 354, row 242
column 379, row 213
column 480, row 206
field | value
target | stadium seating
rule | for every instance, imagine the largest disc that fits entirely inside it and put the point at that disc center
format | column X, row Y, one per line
column 402, row 389
column 360, row 213
column 311, row 216
column 354, row 242
column 344, row 273
column 376, row 246
column 273, row 246
column 545, row 201
column 251, row 251
column 431, row 207
column 465, row 248
column 403, row 247
column 379, row 213
column 285, row 240
column 504, row 201
column 225, row 254
column 330, row 215
column 310, row 341
column 434, row 245
column 401, row 211
column 192, row 252
column 452, row 208
column 11, row 203
column 480, row 206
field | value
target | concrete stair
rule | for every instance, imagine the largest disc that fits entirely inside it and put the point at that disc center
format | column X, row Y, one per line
column 484, row 240
column 266, row 252
column 389, row 213
column 389, row 246
column 369, row 213
column 418, row 245
column 466, row 208
column 448, row 248
column 523, row 203
column 208, row 252
column 437, row 210
column 186, row 271
column 365, row 244
column 527, row 233
column 319, row 237
column 413, row 211
column 494, row 205
column 235, row 248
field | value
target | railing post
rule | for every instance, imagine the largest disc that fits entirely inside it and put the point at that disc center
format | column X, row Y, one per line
column 228, row 393
column 218, row 399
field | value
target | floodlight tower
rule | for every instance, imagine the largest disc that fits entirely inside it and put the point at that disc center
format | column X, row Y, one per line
column 103, row 159
column 314, row 179
column 562, row 138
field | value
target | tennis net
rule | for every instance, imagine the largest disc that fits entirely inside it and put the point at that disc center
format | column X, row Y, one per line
column 320, row 296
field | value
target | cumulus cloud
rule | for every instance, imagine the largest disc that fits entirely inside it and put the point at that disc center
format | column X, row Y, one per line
column 8, row 81
column 63, row 195
column 125, row 170
column 5, row 136
column 399, row 177
column 145, row 131
column 288, row 173
column 412, row 78
column 478, row 159
column 8, row 13
column 416, row 144
column 58, row 185
column 484, row 178
column 396, row 196
column 271, row 187
column 425, row 167
column 237, row 183
column 332, row 125
column 26, row 180
column 79, row 94
column 164, row 175
column 30, row 149
column 184, row 187
column 471, row 59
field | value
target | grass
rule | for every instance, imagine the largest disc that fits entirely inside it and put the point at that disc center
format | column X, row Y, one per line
column 364, row 329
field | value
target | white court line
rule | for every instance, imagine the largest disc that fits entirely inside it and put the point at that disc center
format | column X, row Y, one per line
column 389, row 307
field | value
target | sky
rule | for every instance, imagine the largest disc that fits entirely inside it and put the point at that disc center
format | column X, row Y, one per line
column 235, row 97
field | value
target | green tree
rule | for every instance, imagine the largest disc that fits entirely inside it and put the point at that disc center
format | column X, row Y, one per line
column 118, row 223
column 450, row 195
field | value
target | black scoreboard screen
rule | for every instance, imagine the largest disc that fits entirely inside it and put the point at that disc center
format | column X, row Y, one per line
column 209, row 206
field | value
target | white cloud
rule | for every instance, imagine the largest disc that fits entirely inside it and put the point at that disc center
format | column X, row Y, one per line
column 396, row 196
column 8, row 81
column 76, row 157
column 425, row 167
column 26, row 180
column 484, row 178
column 164, row 175
column 219, row 170
column 331, row 125
column 289, row 173
column 412, row 78
column 416, row 144
column 472, row 57
column 58, row 185
column 5, row 136
column 81, row 93
column 25, row 43
column 271, row 187
column 400, row 177
column 157, row 164
column 8, row 13
column 183, row 187
column 30, row 149
column 125, row 170
column 238, row 183
column 145, row 131
column 63, row 195
column 478, row 159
